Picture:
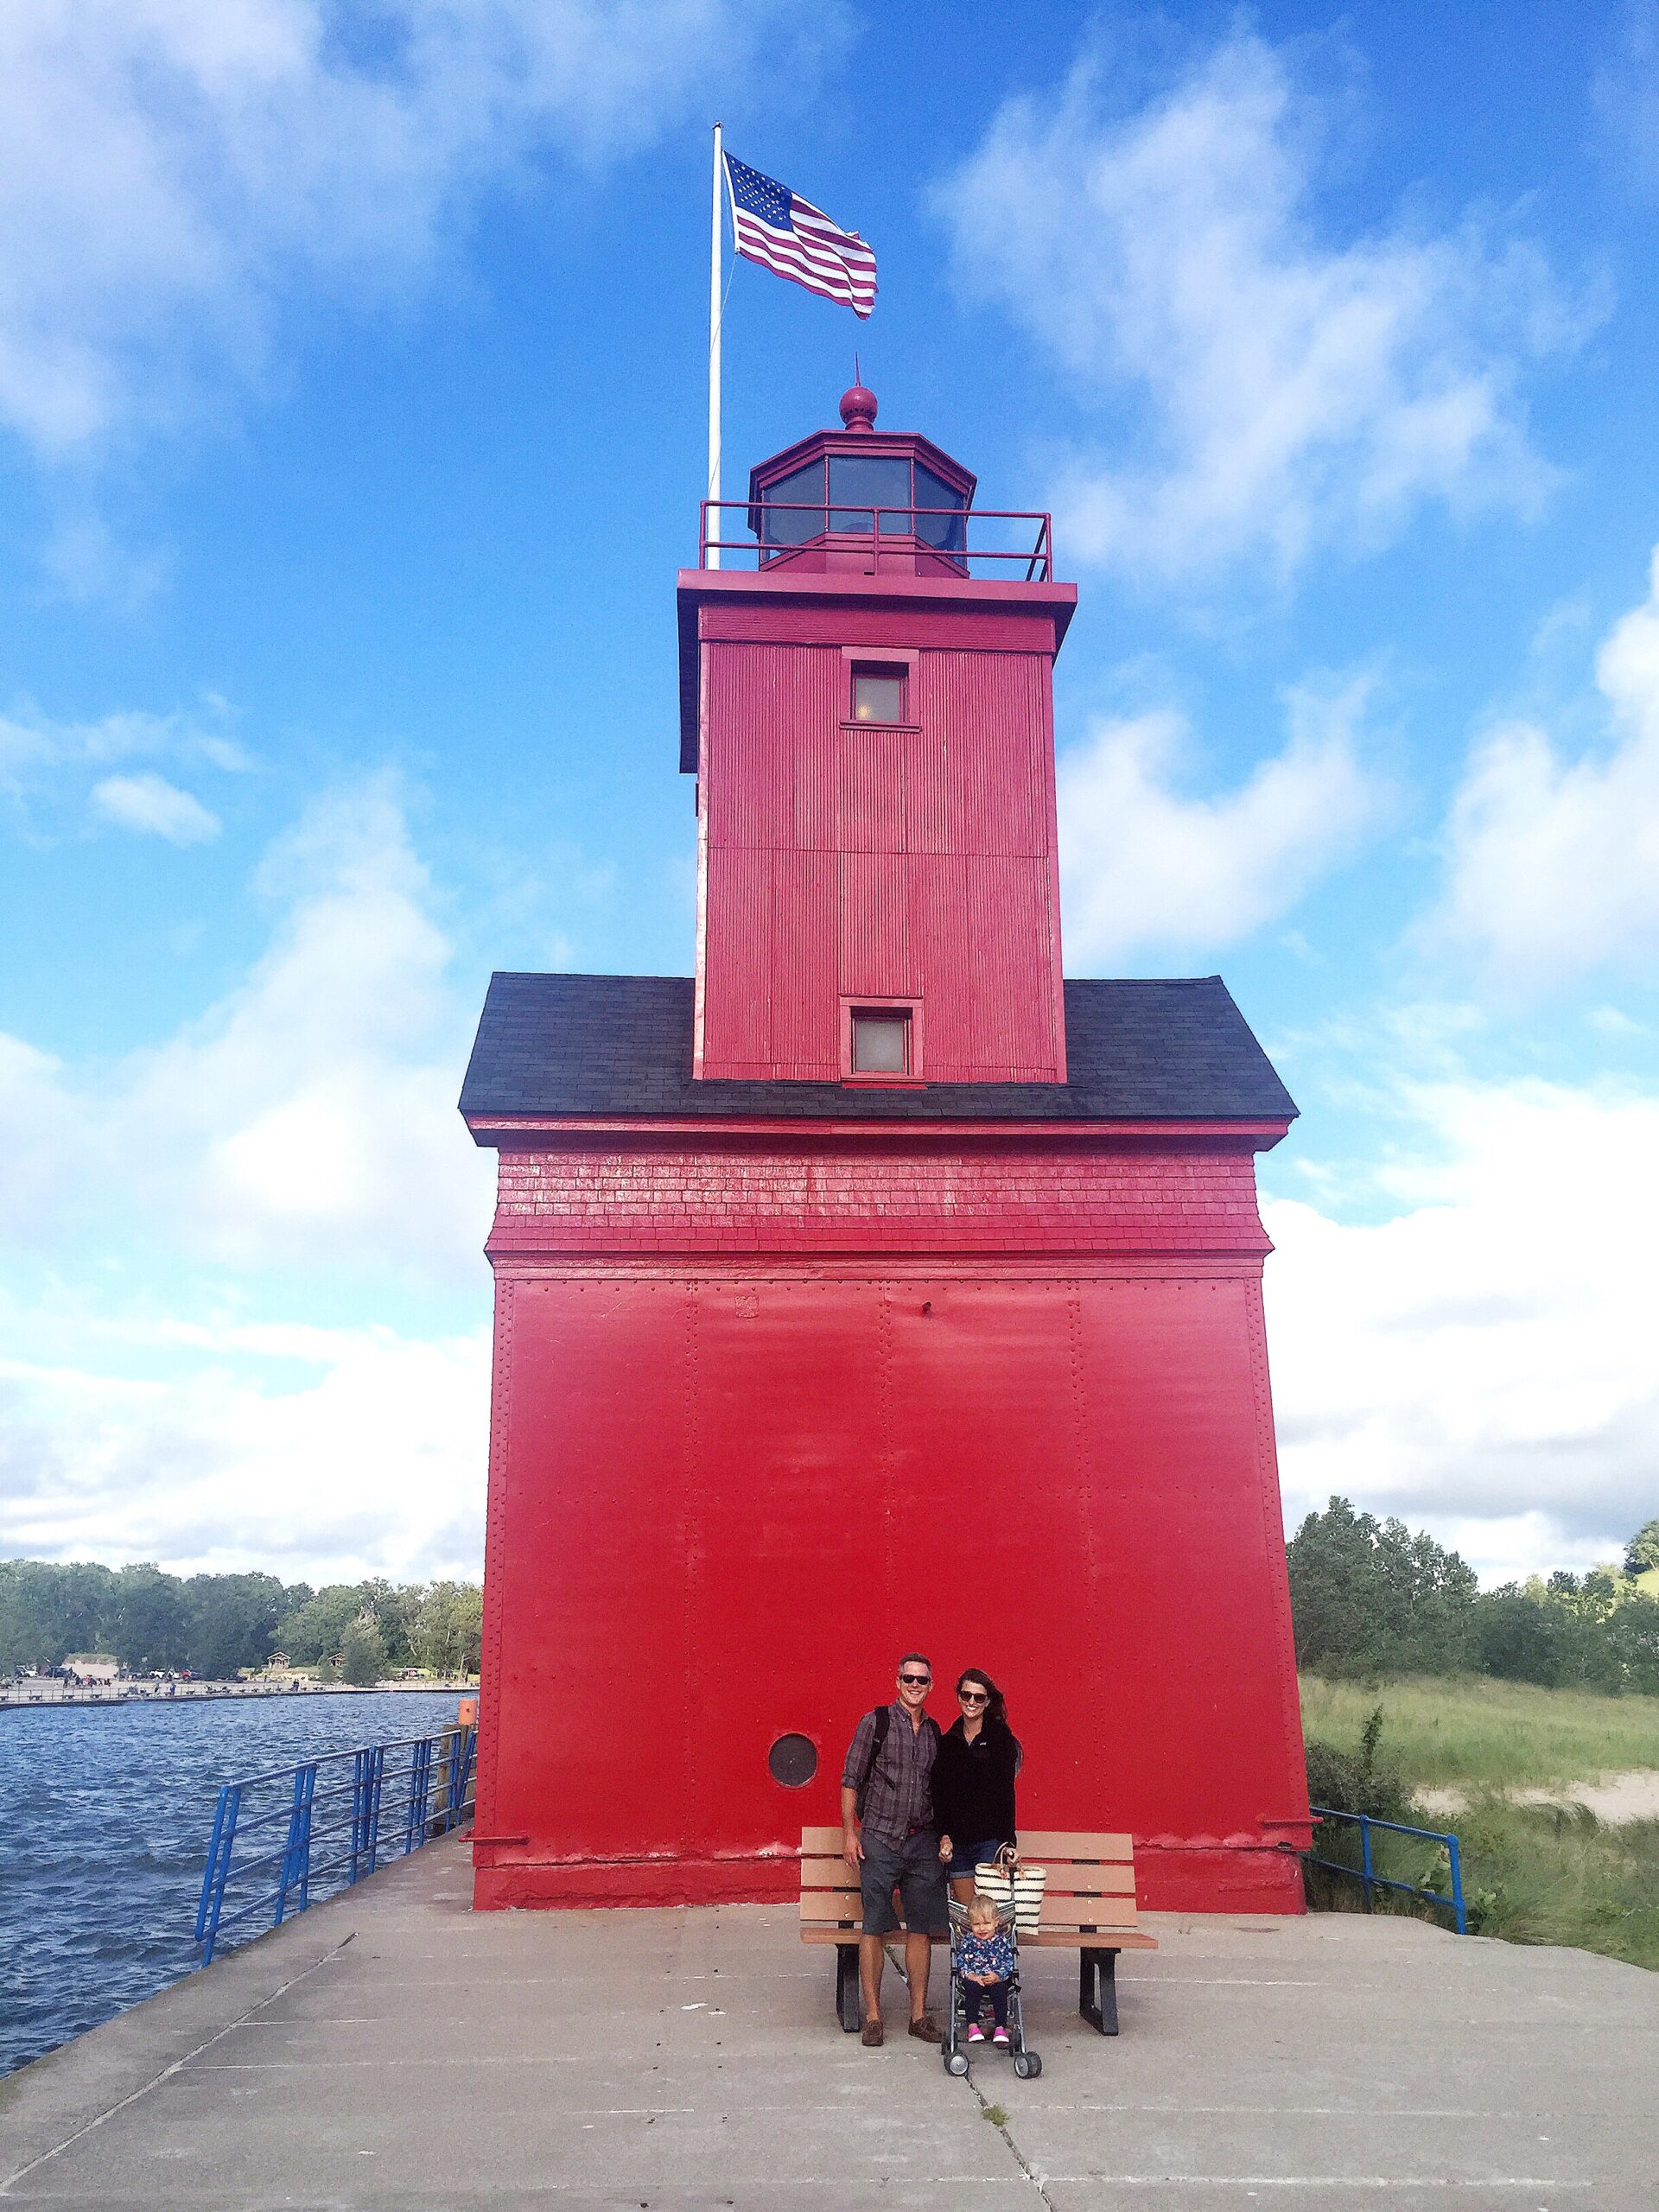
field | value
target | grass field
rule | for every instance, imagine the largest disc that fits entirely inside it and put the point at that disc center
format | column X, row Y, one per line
column 1470, row 1732
column 1531, row 1873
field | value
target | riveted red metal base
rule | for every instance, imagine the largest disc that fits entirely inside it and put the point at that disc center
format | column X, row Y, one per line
column 727, row 1494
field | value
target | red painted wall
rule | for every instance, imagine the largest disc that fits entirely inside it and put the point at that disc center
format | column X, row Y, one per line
column 844, row 860
column 764, row 1418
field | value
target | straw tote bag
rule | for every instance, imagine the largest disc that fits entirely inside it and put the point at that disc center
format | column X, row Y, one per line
column 1008, row 1881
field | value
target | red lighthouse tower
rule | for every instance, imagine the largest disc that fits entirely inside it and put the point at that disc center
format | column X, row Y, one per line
column 875, row 1288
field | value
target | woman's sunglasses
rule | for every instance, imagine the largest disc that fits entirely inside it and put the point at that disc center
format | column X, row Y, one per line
column 973, row 1697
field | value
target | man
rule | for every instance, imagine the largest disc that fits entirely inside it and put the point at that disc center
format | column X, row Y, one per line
column 887, row 1838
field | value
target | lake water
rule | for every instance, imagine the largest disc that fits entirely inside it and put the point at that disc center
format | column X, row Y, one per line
column 105, row 1812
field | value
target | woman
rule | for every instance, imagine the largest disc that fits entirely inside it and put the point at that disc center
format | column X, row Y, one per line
column 974, row 1774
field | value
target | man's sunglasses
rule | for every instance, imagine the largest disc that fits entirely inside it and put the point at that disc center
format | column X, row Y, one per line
column 916, row 1681
column 973, row 1697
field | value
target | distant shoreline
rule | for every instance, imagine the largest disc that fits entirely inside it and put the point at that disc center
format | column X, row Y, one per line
column 224, row 1693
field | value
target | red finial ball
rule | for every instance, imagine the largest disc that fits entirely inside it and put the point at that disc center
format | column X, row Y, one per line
column 858, row 408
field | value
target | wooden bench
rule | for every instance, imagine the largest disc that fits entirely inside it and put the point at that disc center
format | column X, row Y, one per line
column 1088, row 1906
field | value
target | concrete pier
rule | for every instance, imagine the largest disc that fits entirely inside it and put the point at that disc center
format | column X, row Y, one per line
column 393, row 2049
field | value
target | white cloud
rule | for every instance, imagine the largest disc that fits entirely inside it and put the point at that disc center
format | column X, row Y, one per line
column 42, row 759
column 151, row 805
column 1624, row 93
column 372, row 1464
column 1553, row 860
column 84, row 561
column 172, row 170
column 1303, row 390
column 308, row 1119
column 1144, row 863
column 294, row 1148
column 1481, row 1361
column 43, row 1129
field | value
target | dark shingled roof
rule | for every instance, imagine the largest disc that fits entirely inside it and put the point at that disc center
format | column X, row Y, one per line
column 620, row 1045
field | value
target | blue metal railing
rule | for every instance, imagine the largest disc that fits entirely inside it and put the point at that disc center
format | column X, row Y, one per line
column 328, row 1814
column 1366, row 1871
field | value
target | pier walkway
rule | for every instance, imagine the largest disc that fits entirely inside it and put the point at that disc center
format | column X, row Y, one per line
column 391, row 2049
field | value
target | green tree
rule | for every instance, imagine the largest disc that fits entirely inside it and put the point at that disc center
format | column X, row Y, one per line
column 313, row 1629
column 1631, row 1635
column 232, row 1621
column 396, row 1608
column 449, row 1628
column 1368, row 1596
column 362, row 1655
column 48, row 1610
column 1643, row 1550
column 149, row 1620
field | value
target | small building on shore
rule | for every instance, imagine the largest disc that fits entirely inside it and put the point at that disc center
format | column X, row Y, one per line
column 875, row 1286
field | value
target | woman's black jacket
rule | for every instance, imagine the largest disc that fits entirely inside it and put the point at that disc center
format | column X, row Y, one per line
column 973, row 1784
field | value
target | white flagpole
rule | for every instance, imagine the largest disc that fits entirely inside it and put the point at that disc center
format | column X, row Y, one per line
column 715, row 529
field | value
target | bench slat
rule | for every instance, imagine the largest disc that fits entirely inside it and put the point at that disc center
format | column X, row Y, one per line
column 1065, row 1939
column 1051, row 1843
column 819, row 1876
column 1087, row 1912
column 1102, row 1939
column 1047, row 1844
column 815, row 1932
column 1065, row 1912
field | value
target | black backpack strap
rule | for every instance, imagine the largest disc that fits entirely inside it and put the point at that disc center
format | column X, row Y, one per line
column 880, row 1721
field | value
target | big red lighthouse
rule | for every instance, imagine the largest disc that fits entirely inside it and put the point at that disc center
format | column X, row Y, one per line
column 875, row 1288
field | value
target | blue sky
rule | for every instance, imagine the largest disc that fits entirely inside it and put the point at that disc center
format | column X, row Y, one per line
column 351, row 431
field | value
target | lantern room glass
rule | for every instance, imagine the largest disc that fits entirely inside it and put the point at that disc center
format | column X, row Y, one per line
column 847, row 493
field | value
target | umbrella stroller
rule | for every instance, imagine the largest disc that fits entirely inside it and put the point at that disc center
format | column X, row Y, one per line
column 954, row 2048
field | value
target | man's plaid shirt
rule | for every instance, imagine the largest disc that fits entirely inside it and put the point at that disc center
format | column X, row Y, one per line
column 900, row 1799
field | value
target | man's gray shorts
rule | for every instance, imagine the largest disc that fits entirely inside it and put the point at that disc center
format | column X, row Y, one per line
column 913, row 1868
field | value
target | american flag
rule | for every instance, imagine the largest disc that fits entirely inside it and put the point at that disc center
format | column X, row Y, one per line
column 784, row 233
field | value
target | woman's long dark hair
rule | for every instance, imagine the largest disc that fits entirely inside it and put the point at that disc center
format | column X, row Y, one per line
column 996, row 1706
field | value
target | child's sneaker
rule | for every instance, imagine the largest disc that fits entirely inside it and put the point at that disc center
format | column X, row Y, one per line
column 975, row 2033
column 1000, row 2039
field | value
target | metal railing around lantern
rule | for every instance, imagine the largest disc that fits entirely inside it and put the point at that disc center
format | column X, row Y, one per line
column 288, row 1839
column 929, row 541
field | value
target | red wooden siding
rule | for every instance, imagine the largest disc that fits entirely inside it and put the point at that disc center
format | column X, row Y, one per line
column 947, row 888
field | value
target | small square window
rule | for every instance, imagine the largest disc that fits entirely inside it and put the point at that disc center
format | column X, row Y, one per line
column 880, row 1043
column 878, row 695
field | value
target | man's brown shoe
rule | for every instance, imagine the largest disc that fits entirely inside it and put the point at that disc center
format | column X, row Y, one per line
column 874, row 2035
column 926, row 2029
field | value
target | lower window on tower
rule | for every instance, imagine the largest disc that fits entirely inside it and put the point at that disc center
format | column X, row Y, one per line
column 881, row 1041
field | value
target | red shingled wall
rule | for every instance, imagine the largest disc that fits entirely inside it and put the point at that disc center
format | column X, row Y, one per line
column 1006, row 1399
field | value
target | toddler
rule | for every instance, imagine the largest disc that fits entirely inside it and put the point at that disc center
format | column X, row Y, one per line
column 985, row 1961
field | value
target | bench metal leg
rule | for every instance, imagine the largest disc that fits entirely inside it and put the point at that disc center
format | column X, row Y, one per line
column 1098, row 1990
column 849, row 2004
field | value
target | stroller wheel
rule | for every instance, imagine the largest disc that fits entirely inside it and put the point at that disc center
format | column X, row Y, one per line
column 956, row 2062
column 1028, row 2065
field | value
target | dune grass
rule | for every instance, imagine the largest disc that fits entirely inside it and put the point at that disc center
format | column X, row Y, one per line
column 1473, row 1733
column 1531, row 1873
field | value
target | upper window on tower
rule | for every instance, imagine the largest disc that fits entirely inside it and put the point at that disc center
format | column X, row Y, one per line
column 878, row 695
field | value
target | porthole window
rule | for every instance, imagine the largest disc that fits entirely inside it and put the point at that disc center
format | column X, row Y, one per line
column 793, row 1761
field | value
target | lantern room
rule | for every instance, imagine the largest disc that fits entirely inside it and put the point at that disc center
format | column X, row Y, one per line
column 858, row 501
